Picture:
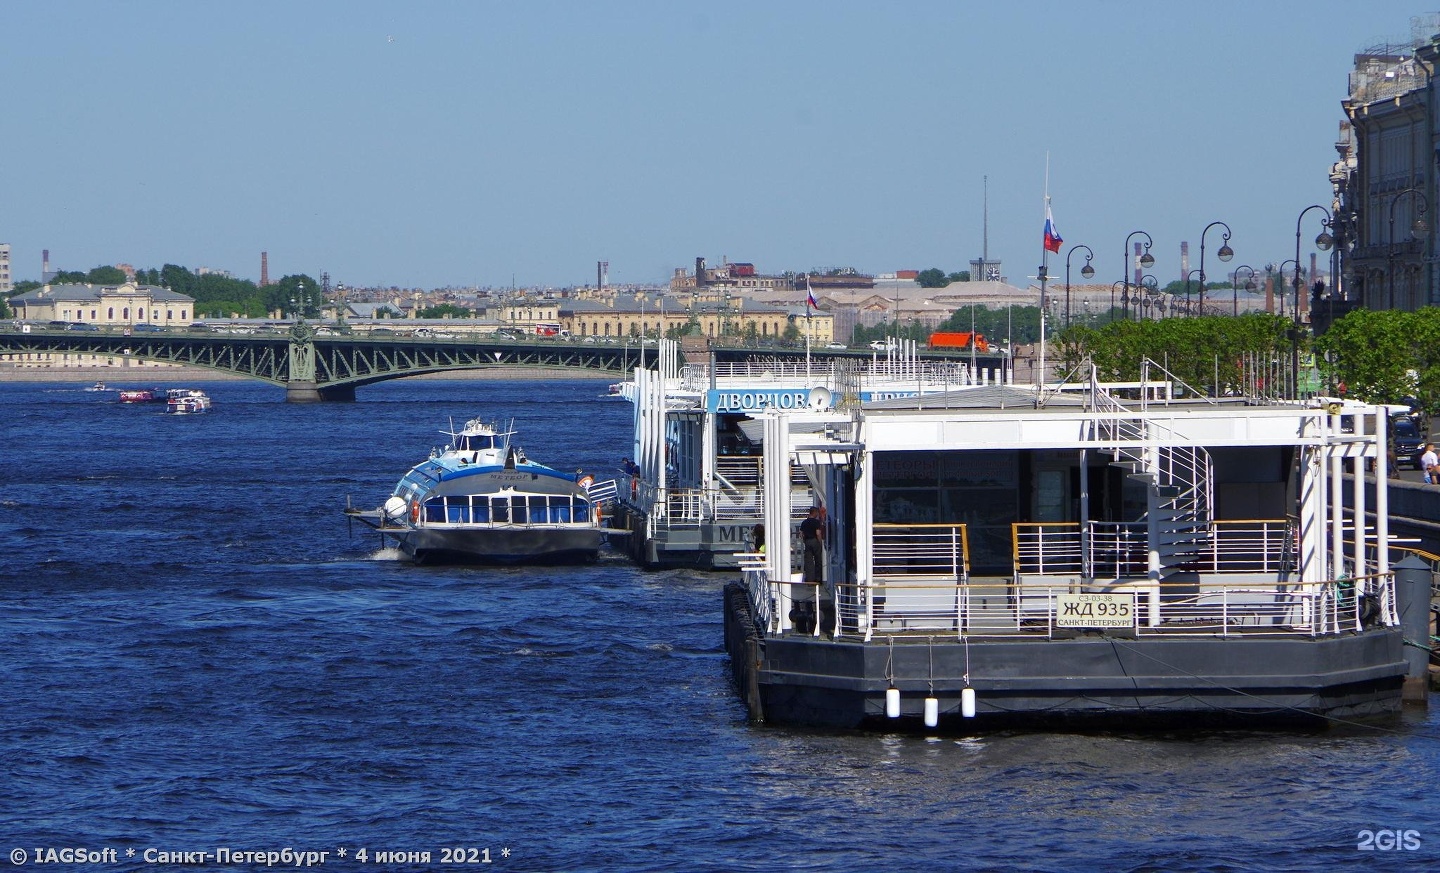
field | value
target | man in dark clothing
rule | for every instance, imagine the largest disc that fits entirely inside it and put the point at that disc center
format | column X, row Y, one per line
column 812, row 533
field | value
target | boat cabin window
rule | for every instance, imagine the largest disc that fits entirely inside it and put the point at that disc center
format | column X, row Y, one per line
column 517, row 509
column 476, row 442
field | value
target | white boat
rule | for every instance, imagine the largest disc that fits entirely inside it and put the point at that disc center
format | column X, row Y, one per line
column 98, row 386
column 482, row 500
column 186, row 401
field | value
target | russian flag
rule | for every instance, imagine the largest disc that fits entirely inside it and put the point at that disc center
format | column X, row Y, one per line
column 810, row 301
column 1052, row 236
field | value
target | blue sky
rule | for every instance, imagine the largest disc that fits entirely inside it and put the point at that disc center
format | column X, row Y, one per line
column 475, row 143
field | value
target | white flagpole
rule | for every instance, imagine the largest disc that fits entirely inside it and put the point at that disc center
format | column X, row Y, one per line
column 1044, row 262
column 809, row 331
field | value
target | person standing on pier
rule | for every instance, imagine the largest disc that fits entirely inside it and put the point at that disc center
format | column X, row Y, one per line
column 812, row 535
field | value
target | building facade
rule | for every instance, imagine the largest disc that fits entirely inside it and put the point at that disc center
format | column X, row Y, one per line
column 105, row 306
column 1385, row 180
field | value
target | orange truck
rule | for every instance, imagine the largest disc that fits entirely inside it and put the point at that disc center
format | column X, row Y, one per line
column 958, row 341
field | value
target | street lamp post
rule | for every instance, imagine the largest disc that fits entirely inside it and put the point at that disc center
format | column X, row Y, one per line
column 1086, row 271
column 1281, row 281
column 1235, row 286
column 1225, row 254
column 1187, row 289
column 1113, row 286
column 1150, row 295
column 1323, row 242
column 1147, row 261
column 1416, row 229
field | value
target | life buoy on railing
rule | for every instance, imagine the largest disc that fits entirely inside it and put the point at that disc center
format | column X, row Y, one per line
column 414, row 510
column 586, row 481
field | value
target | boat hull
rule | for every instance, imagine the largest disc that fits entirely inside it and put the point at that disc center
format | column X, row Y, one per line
column 1093, row 681
column 497, row 545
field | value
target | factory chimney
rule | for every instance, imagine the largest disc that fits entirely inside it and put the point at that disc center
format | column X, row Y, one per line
column 264, row 269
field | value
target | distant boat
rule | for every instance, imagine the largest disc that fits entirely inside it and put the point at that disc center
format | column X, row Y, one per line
column 186, row 401
column 98, row 386
column 139, row 396
column 483, row 501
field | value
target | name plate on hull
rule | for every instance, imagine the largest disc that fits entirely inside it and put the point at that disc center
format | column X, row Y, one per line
column 1094, row 610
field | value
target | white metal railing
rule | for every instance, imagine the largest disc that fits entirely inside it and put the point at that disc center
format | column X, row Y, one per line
column 938, row 550
column 1118, row 549
column 891, row 607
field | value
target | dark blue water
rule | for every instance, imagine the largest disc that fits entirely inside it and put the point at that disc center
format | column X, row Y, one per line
column 195, row 653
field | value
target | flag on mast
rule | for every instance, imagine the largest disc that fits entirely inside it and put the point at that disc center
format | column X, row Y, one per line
column 810, row 301
column 1052, row 236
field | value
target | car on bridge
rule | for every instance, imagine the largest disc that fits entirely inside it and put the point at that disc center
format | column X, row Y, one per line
column 1409, row 442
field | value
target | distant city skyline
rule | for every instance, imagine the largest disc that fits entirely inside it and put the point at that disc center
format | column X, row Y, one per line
column 485, row 145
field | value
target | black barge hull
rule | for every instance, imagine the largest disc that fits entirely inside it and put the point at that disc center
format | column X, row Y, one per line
column 1153, row 681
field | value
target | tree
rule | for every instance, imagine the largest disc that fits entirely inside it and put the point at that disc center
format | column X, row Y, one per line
column 445, row 310
column 932, row 278
column 962, row 276
column 68, row 277
column 1383, row 356
column 106, row 276
column 1209, row 354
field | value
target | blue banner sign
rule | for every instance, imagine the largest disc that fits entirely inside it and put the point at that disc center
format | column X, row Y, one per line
column 761, row 399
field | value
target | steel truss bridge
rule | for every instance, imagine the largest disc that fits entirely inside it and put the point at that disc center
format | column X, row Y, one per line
column 315, row 368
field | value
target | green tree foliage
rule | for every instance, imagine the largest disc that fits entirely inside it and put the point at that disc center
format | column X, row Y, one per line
column 445, row 310
column 1198, row 351
column 106, row 276
column 1383, row 356
column 292, row 293
column 962, row 276
column 68, row 277
column 932, row 278
column 26, row 286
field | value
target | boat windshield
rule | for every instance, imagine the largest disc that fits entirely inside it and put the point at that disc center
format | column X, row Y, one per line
column 475, row 442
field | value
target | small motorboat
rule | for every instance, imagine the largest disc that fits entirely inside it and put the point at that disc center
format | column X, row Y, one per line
column 98, row 386
column 186, row 401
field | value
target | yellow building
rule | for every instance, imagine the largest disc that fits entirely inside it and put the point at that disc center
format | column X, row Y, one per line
column 105, row 306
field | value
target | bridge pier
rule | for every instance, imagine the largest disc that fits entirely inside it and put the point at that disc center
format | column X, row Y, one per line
column 308, row 392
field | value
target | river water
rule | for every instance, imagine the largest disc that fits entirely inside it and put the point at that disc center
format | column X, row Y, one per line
column 197, row 654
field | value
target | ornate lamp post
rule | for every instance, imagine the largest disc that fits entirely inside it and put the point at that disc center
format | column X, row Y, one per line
column 1149, row 295
column 1086, row 271
column 1147, row 261
column 1225, row 254
column 1113, row 286
column 1416, row 229
column 1270, row 268
column 1187, row 290
column 1235, row 286
column 1323, row 242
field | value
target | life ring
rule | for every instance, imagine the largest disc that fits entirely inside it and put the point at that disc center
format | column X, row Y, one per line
column 586, row 481
column 414, row 511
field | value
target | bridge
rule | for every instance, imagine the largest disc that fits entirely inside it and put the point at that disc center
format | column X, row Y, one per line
column 313, row 368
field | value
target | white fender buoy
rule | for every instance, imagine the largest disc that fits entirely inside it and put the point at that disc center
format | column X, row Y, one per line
column 892, row 702
column 932, row 712
column 967, row 702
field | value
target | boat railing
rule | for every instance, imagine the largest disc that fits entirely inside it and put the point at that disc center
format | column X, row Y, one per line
column 931, row 550
column 902, row 606
column 697, row 377
column 1119, row 550
column 695, row 506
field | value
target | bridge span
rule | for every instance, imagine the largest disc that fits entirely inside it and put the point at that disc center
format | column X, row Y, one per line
column 313, row 368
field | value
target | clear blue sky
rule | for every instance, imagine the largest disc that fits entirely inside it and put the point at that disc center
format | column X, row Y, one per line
column 428, row 144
